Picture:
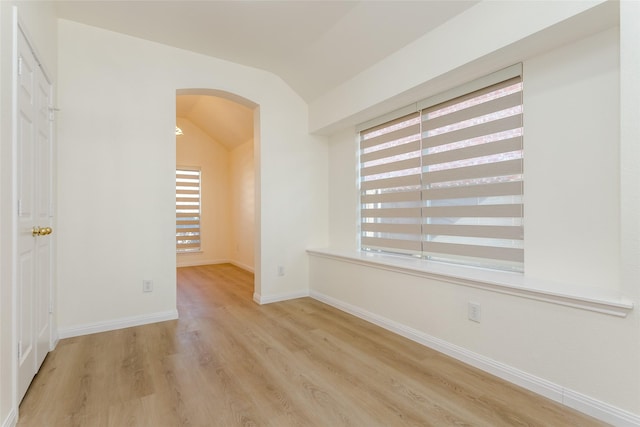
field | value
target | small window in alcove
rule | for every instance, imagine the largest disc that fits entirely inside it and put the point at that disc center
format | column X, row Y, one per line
column 188, row 210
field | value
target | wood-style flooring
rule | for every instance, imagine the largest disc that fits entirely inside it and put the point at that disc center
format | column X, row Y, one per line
column 230, row 362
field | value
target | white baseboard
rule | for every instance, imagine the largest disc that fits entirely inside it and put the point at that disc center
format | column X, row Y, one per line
column 570, row 398
column 600, row 410
column 112, row 325
column 11, row 420
column 242, row 266
column 195, row 263
column 268, row 299
column 55, row 339
column 187, row 263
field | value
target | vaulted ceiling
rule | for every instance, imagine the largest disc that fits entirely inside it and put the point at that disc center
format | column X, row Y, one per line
column 313, row 46
column 225, row 121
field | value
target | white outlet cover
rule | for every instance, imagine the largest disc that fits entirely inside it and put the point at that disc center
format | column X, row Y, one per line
column 474, row 313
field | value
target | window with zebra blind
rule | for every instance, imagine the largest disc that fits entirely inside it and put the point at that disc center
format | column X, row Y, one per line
column 445, row 183
column 188, row 210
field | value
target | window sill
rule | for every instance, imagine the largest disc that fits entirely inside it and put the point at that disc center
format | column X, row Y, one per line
column 516, row 284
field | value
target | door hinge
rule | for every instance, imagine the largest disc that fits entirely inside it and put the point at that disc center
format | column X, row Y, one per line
column 50, row 306
column 19, row 349
column 52, row 112
column 19, row 207
column 20, row 65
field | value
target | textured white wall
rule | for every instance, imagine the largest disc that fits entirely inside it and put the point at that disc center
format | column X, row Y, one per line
column 572, row 156
column 228, row 198
column 117, row 161
column 196, row 149
column 572, row 222
column 495, row 25
column 242, row 205
column 343, row 194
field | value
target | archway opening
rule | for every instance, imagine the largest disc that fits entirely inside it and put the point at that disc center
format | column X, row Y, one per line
column 217, row 196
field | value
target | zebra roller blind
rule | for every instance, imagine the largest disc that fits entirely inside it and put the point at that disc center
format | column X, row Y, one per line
column 446, row 183
column 187, row 210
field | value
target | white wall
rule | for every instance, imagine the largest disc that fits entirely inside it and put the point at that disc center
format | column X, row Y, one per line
column 630, row 152
column 343, row 190
column 116, row 182
column 572, row 155
column 228, row 198
column 574, row 200
column 40, row 24
column 242, row 205
column 512, row 28
column 195, row 149
column 116, row 200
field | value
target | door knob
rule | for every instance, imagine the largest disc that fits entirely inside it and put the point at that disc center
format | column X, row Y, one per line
column 41, row 231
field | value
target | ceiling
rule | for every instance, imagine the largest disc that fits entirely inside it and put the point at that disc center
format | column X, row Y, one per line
column 225, row 121
column 312, row 45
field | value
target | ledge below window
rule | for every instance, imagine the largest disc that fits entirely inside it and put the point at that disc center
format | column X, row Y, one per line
column 516, row 284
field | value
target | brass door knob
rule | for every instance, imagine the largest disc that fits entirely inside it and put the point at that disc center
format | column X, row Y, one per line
column 41, row 231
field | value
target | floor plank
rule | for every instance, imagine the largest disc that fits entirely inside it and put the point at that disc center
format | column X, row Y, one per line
column 230, row 362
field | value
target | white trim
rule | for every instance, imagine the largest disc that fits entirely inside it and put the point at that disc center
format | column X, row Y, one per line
column 600, row 410
column 11, row 420
column 198, row 263
column 261, row 299
column 214, row 262
column 245, row 267
column 555, row 392
column 13, row 179
column 55, row 339
column 503, row 282
column 112, row 325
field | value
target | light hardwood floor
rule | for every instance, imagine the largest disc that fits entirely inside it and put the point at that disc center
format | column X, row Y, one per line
column 231, row 362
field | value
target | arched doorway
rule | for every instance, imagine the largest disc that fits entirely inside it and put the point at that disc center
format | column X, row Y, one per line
column 218, row 148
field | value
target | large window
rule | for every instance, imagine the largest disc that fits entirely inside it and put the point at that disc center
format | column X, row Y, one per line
column 187, row 210
column 446, row 183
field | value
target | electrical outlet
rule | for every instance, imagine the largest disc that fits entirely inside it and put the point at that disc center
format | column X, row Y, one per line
column 147, row 286
column 281, row 270
column 474, row 312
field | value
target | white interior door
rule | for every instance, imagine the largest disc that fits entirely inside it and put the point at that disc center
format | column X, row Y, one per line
column 34, row 177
